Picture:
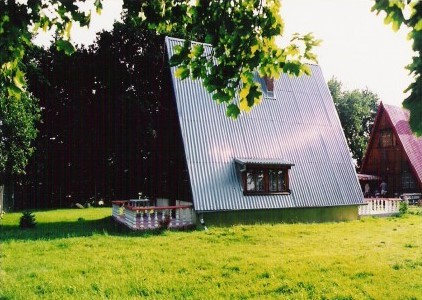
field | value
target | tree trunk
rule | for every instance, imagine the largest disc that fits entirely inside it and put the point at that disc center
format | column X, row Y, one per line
column 7, row 196
column 1, row 197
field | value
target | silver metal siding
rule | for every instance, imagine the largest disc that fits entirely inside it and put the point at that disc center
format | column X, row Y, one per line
column 300, row 126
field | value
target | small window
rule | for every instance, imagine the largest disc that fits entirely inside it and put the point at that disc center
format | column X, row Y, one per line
column 264, row 176
column 269, row 87
column 265, row 181
column 269, row 83
column 407, row 180
column 277, row 182
column 386, row 139
column 255, row 181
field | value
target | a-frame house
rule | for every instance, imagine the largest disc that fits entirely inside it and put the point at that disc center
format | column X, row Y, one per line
column 287, row 160
column 394, row 153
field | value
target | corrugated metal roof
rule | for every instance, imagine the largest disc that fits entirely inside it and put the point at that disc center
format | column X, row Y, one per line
column 257, row 161
column 412, row 145
column 300, row 126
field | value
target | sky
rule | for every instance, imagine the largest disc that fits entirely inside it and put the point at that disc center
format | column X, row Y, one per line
column 357, row 48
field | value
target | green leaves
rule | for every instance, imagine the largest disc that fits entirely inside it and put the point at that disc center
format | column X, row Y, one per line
column 19, row 80
column 221, row 97
column 65, row 46
column 13, row 91
column 356, row 110
column 197, row 51
column 98, row 6
column 19, row 116
column 232, row 111
column 182, row 72
column 395, row 16
column 414, row 104
column 242, row 35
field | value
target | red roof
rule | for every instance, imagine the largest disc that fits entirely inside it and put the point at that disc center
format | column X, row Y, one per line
column 412, row 145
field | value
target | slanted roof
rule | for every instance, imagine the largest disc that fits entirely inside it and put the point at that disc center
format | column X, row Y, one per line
column 412, row 145
column 300, row 125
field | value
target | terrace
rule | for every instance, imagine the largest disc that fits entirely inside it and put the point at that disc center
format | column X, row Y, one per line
column 380, row 207
column 139, row 215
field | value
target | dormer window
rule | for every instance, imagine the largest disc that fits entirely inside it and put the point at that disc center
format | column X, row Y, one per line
column 269, row 87
column 269, row 82
column 264, row 177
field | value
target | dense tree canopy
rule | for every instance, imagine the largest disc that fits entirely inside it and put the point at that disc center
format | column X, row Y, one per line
column 18, row 118
column 408, row 13
column 242, row 33
column 357, row 110
column 105, row 119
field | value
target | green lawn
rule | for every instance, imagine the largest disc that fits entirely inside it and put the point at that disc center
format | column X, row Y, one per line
column 82, row 254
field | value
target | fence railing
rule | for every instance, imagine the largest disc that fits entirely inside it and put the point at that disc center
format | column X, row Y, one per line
column 152, row 217
column 380, row 206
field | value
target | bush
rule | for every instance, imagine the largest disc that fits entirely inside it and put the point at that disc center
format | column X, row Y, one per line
column 27, row 220
column 404, row 208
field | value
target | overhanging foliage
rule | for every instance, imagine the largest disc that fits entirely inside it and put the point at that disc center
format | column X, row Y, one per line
column 408, row 13
column 242, row 33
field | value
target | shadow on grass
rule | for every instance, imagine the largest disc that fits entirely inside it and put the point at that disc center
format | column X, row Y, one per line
column 80, row 228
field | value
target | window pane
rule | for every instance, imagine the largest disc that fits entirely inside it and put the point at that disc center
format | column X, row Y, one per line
column 386, row 138
column 250, row 182
column 280, row 181
column 408, row 182
column 255, row 180
column 260, row 180
column 273, row 180
column 276, row 180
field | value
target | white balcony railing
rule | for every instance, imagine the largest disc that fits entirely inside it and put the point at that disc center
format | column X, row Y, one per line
column 380, row 206
column 152, row 217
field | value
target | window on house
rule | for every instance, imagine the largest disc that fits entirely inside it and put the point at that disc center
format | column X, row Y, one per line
column 269, row 87
column 261, row 177
column 407, row 180
column 277, row 180
column 386, row 138
column 255, row 180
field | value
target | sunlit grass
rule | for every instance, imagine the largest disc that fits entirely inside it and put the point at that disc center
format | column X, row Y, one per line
column 82, row 254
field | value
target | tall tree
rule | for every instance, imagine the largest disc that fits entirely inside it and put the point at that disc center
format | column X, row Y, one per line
column 357, row 110
column 409, row 14
column 103, row 120
column 18, row 120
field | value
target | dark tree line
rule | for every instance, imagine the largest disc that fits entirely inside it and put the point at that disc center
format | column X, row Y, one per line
column 105, row 121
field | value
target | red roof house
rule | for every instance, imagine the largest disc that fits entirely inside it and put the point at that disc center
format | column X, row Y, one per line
column 394, row 153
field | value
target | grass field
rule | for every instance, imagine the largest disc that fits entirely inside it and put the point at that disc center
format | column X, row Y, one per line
column 82, row 254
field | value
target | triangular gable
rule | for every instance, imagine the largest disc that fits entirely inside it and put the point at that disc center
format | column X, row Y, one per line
column 398, row 119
